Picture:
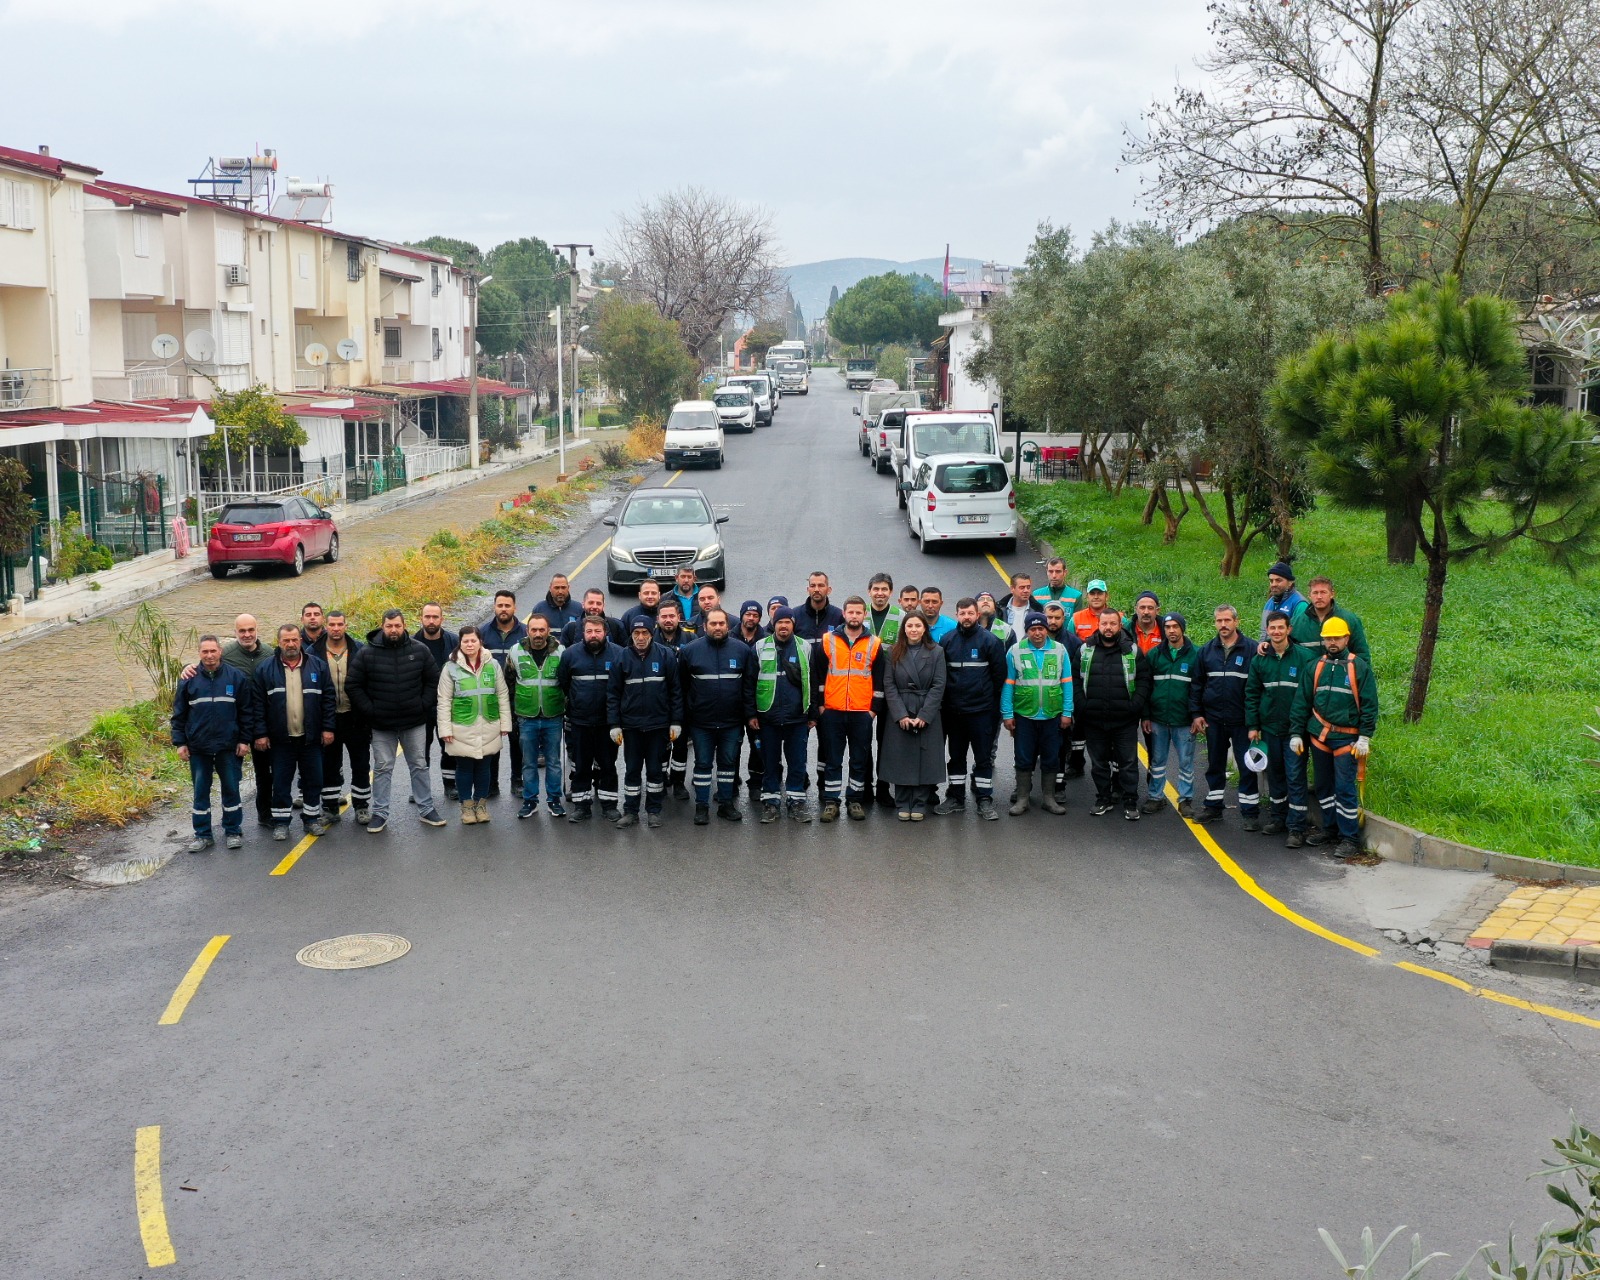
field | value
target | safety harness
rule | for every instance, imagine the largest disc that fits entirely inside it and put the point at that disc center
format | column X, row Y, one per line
column 1320, row 740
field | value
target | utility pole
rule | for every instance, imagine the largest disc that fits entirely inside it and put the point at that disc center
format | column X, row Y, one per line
column 561, row 398
column 572, row 297
column 472, row 376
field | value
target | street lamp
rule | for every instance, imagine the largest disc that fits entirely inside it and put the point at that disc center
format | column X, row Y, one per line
column 472, row 375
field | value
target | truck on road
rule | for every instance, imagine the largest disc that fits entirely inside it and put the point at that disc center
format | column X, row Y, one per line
column 858, row 374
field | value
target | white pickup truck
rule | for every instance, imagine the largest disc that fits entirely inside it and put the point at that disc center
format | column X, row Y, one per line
column 928, row 432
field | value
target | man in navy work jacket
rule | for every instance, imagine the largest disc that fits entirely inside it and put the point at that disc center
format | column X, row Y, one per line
column 1224, row 673
column 644, row 707
column 298, row 701
column 215, row 718
column 719, row 696
column 976, row 662
column 584, row 676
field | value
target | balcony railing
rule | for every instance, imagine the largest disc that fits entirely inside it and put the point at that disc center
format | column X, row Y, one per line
column 432, row 460
column 400, row 371
column 309, row 379
column 140, row 382
column 26, row 389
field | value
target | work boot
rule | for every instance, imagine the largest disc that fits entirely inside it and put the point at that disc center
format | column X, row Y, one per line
column 986, row 809
column 1050, row 802
column 857, row 811
column 729, row 812
column 1019, row 797
column 1346, row 848
column 1152, row 805
column 679, row 791
column 469, row 813
column 702, row 814
column 1273, row 828
column 317, row 828
column 1252, row 822
column 830, row 811
column 280, row 832
column 1186, row 808
column 610, row 811
column 1296, row 840
column 769, row 813
column 200, row 844
column 1317, row 836
column 955, row 802
column 652, row 819
column 799, row 811
column 234, row 841
column 364, row 816
column 580, row 813
column 627, row 820
column 1208, row 814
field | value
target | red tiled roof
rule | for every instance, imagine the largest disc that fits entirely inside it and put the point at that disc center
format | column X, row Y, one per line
column 41, row 163
column 421, row 255
column 128, row 200
column 463, row 386
column 104, row 411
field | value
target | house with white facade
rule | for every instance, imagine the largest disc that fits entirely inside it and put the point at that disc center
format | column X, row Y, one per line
column 968, row 329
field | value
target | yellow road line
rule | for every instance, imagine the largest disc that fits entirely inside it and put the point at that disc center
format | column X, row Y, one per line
column 191, row 981
column 293, row 856
column 589, row 557
column 1247, row 882
column 672, row 479
column 1004, row 576
column 158, row 1251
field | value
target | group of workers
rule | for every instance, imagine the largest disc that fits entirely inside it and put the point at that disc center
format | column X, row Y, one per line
column 902, row 699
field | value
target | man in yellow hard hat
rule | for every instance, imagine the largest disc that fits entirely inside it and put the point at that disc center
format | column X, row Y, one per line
column 1336, row 710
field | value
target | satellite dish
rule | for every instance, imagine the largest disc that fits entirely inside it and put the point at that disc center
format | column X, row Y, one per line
column 165, row 346
column 201, row 346
column 477, row 348
column 316, row 355
column 349, row 350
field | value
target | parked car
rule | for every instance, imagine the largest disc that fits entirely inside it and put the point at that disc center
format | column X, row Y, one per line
column 953, row 497
column 880, row 449
column 763, row 389
column 929, row 431
column 694, row 434
column 880, row 396
column 858, row 374
column 657, row 532
column 736, row 407
column 271, row 531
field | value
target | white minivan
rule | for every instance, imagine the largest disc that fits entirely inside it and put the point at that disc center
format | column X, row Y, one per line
column 959, row 497
column 694, row 435
column 765, row 390
column 736, row 407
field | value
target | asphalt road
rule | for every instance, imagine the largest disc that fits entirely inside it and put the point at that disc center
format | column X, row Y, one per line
column 1047, row 1046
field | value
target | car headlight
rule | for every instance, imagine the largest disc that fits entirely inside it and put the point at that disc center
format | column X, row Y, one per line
column 709, row 553
column 621, row 556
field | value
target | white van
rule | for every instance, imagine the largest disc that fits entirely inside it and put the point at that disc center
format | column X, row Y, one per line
column 959, row 497
column 933, row 431
column 764, row 389
column 736, row 407
column 694, row 435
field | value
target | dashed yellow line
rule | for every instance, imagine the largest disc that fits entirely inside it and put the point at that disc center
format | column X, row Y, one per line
column 191, row 980
column 147, row 1198
column 1247, row 882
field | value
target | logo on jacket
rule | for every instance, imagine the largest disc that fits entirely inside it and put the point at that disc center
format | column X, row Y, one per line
column 733, row 664
column 1239, row 661
column 1183, row 666
column 655, row 666
column 1292, row 670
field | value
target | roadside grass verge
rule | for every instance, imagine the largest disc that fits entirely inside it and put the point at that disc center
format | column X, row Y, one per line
column 1498, row 760
column 125, row 765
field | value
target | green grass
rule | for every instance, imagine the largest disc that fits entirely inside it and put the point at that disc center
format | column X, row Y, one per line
column 1498, row 760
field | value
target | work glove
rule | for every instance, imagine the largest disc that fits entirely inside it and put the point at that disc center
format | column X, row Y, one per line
column 672, row 732
column 616, row 736
column 1297, row 744
column 1363, row 745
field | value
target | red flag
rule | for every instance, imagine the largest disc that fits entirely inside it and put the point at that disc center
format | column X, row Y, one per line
column 947, row 271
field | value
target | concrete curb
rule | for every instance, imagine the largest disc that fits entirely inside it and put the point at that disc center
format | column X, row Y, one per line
column 1395, row 842
column 1547, row 960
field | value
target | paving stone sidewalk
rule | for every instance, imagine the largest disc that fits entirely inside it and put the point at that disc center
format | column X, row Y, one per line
column 1563, row 916
column 52, row 687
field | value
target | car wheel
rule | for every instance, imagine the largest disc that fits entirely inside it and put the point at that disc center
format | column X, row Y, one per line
column 879, row 466
column 333, row 551
column 926, row 549
column 219, row 571
column 911, row 531
column 900, row 497
column 298, row 565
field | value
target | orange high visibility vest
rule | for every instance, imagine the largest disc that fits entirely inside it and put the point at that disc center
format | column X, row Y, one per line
column 848, row 686
column 1086, row 622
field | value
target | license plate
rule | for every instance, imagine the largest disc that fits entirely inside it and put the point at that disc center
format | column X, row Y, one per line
column 663, row 573
column 688, row 453
column 247, row 537
column 972, row 519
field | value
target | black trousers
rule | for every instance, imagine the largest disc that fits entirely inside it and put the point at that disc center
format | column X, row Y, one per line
column 594, row 765
column 644, row 751
column 975, row 731
column 261, row 769
column 1113, row 757
column 353, row 737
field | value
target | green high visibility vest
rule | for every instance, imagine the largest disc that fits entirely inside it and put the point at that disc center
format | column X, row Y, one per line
column 891, row 623
column 1129, row 661
column 477, row 697
column 1038, row 684
column 1002, row 628
column 767, row 672
column 537, row 695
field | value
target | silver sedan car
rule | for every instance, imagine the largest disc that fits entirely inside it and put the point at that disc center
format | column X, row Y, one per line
column 658, row 532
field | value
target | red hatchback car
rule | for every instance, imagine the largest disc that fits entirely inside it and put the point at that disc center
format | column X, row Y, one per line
column 286, row 531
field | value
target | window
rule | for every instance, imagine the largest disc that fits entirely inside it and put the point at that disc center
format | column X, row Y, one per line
column 438, row 347
column 647, row 511
column 391, row 344
column 970, row 477
column 16, row 204
column 233, row 338
column 230, row 246
column 1549, row 381
column 138, row 336
column 352, row 266
column 436, row 280
column 693, row 420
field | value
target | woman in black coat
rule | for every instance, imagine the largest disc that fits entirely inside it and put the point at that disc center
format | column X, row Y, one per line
column 912, row 758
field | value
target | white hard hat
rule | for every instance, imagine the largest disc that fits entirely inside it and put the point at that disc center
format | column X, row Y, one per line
column 1255, row 759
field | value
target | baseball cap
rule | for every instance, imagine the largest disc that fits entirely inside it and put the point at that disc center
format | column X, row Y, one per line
column 1096, row 584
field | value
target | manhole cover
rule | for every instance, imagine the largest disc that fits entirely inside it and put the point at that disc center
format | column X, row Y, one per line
column 353, row 951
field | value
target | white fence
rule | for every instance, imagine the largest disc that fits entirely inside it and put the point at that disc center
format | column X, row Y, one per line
column 321, row 490
column 432, row 460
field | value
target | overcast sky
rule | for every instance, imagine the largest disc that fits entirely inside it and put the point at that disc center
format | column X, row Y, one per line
column 876, row 128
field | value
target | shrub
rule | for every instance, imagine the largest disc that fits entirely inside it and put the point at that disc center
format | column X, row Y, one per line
column 647, row 439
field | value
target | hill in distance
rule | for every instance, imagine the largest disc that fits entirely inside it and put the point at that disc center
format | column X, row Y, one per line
column 811, row 282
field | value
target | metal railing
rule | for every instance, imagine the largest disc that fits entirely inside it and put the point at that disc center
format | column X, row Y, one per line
column 217, row 492
column 432, row 460
column 400, row 371
column 26, row 389
column 128, row 518
column 139, row 382
column 309, row 379
column 23, row 573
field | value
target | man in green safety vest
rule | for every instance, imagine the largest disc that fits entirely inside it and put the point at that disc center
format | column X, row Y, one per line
column 541, row 708
column 1036, row 705
column 788, row 680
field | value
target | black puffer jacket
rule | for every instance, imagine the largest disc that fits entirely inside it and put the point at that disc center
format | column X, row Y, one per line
column 393, row 683
column 1103, row 698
